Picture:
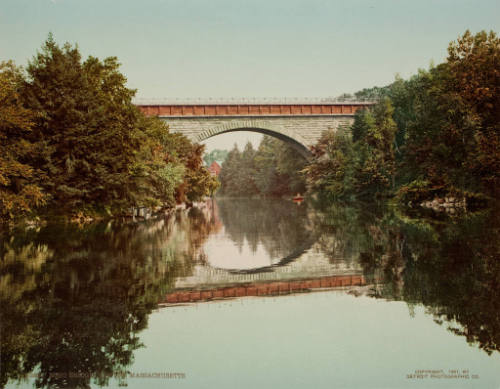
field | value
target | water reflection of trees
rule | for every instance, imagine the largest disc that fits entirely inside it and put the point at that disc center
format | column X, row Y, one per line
column 73, row 300
column 454, row 270
column 450, row 265
column 281, row 227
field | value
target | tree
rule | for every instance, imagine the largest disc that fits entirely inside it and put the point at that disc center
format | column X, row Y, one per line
column 87, row 126
column 246, row 176
column 266, row 177
column 377, row 165
column 361, row 165
column 474, row 84
column 290, row 165
column 436, row 134
column 331, row 170
column 94, row 150
column 197, row 181
column 157, row 171
column 216, row 155
column 19, row 192
column 229, row 173
column 274, row 169
column 278, row 168
column 451, row 126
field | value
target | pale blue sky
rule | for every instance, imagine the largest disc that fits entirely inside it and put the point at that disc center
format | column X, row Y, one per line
column 259, row 48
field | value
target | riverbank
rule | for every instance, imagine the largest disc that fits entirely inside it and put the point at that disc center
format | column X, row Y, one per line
column 89, row 215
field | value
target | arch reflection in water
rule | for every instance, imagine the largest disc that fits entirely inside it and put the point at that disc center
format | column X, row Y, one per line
column 261, row 240
column 256, row 233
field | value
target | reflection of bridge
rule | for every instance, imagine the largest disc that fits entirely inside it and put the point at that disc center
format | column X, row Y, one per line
column 300, row 123
column 263, row 289
column 311, row 270
column 311, row 264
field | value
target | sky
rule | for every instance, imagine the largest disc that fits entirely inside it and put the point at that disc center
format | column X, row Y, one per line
column 241, row 48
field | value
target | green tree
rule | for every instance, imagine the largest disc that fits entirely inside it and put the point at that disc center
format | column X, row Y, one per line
column 274, row 169
column 290, row 165
column 229, row 173
column 278, row 168
column 449, row 118
column 267, row 177
column 246, row 176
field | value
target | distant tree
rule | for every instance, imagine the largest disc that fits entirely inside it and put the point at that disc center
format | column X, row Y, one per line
column 246, row 176
column 229, row 172
column 289, row 166
column 274, row 169
column 216, row 155
column 286, row 165
column 267, row 178
column 372, row 93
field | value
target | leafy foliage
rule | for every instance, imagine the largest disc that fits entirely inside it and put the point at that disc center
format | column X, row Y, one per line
column 19, row 192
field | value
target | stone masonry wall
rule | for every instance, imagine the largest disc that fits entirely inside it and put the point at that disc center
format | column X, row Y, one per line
column 306, row 130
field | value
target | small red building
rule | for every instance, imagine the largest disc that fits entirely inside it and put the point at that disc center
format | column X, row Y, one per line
column 214, row 169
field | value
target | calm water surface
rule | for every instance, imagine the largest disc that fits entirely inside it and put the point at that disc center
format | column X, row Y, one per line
column 255, row 293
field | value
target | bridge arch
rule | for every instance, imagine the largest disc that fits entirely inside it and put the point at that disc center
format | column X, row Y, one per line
column 288, row 136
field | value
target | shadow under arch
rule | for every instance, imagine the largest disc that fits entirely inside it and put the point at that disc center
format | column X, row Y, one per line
column 297, row 145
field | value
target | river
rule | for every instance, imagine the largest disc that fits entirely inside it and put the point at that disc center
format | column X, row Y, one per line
column 255, row 293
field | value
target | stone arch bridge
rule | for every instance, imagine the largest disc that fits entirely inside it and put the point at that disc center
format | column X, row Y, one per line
column 300, row 123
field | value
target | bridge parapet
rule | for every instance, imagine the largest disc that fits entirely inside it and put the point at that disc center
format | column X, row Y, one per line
column 204, row 110
column 263, row 289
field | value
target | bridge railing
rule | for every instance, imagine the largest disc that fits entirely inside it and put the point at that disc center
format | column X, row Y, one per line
column 250, row 101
